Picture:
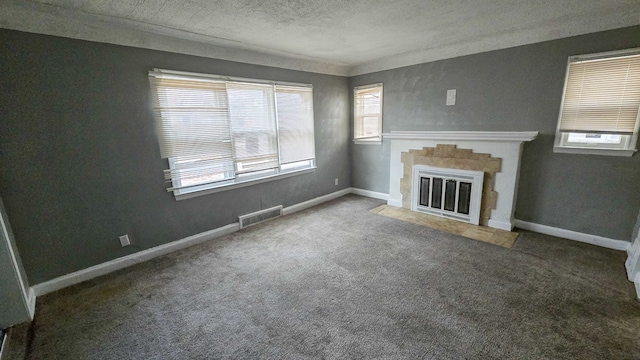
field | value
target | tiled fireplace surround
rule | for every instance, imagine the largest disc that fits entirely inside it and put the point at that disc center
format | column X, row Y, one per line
column 495, row 153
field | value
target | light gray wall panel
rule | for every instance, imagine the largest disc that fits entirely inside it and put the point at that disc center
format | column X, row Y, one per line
column 80, row 163
column 517, row 89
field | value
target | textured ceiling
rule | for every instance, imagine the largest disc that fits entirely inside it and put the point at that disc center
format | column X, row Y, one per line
column 344, row 37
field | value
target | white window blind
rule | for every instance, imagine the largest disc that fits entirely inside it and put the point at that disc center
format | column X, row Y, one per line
column 295, row 123
column 193, row 129
column 368, row 112
column 217, row 131
column 601, row 95
column 253, row 126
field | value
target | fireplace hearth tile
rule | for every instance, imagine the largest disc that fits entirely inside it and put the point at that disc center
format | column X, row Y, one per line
column 480, row 233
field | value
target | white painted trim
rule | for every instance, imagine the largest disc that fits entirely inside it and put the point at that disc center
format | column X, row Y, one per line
column 26, row 292
column 633, row 259
column 474, row 177
column 31, row 303
column 515, row 136
column 4, row 344
column 365, row 142
column 238, row 185
column 316, row 201
column 369, row 193
column 394, row 202
column 636, row 282
column 498, row 224
column 594, row 151
column 129, row 260
column 574, row 235
column 71, row 23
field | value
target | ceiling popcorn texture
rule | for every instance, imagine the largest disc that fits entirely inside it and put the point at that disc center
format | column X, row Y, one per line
column 330, row 36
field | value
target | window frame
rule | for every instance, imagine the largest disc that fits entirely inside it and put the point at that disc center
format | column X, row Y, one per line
column 242, row 179
column 628, row 142
column 373, row 140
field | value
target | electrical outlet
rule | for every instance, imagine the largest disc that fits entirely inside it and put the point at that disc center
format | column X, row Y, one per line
column 451, row 97
column 336, row 181
column 124, row 240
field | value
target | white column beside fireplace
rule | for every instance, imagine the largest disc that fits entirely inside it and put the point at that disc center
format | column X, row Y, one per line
column 504, row 145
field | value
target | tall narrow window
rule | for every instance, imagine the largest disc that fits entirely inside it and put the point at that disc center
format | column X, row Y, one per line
column 367, row 113
column 295, row 126
column 599, row 113
column 217, row 131
column 253, row 126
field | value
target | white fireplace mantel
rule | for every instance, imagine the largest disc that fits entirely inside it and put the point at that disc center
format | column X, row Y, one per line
column 515, row 136
column 506, row 145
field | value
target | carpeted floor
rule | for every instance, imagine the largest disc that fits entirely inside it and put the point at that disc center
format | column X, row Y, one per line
column 339, row 282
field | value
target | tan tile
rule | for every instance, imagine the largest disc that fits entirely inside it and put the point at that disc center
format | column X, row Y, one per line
column 423, row 160
column 426, row 151
column 504, row 238
column 404, row 157
column 464, row 164
column 443, row 150
column 462, row 153
column 478, row 233
column 492, row 165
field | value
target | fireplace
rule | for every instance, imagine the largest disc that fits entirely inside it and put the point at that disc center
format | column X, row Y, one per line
column 496, row 154
column 449, row 193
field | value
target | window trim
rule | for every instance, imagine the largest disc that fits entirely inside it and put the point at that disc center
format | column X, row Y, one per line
column 629, row 142
column 373, row 140
column 243, row 179
column 240, row 184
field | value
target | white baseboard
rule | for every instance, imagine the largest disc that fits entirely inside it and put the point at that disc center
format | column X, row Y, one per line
column 393, row 202
column 31, row 303
column 369, row 193
column 316, row 201
column 633, row 260
column 126, row 261
column 4, row 342
column 574, row 235
column 498, row 224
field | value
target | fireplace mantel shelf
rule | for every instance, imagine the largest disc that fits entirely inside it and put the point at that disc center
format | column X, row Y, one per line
column 515, row 136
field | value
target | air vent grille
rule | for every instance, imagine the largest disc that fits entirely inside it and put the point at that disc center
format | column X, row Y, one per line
column 260, row 216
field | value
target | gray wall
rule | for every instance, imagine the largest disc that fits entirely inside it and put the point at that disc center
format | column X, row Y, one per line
column 79, row 159
column 517, row 89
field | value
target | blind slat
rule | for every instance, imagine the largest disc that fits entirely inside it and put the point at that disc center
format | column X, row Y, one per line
column 295, row 124
column 602, row 96
column 212, row 130
column 253, row 126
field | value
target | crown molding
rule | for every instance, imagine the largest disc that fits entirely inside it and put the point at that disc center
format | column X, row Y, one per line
column 56, row 21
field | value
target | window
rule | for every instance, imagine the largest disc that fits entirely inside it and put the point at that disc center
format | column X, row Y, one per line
column 367, row 114
column 218, row 132
column 599, row 113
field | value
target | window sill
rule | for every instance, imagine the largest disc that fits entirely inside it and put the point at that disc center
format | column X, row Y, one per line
column 215, row 189
column 594, row 151
column 368, row 142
